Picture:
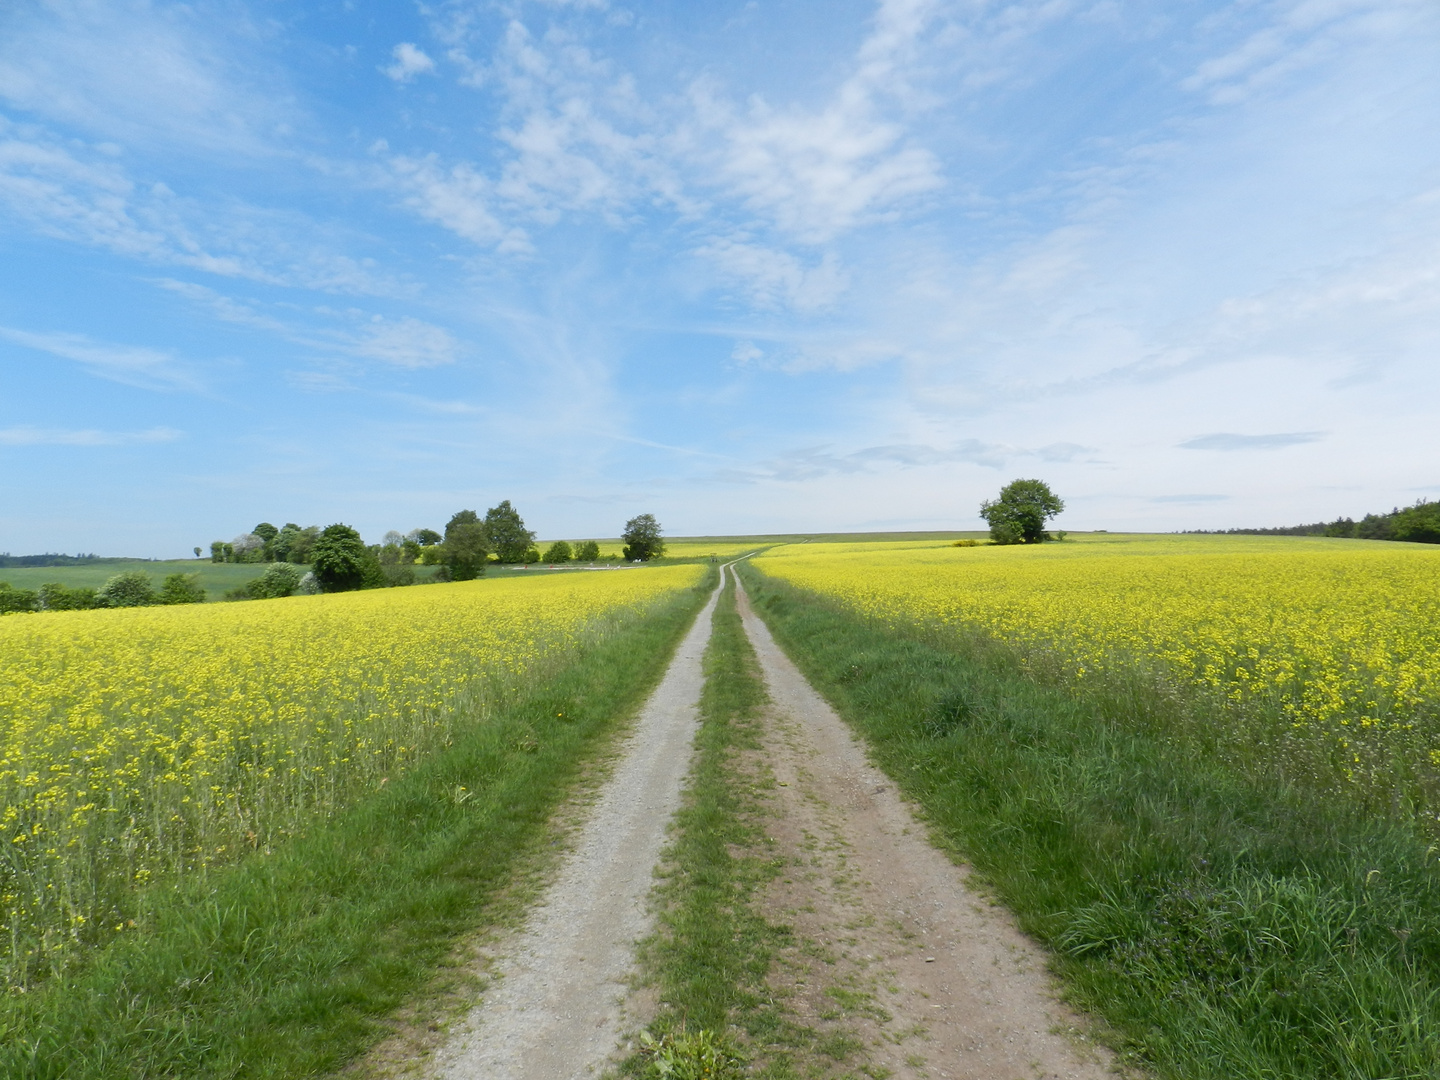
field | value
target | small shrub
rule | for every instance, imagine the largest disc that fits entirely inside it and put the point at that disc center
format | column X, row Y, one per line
column 558, row 552
column 182, row 589
column 589, row 551
column 131, row 588
column 966, row 543
column 532, row 555
column 57, row 597
column 309, row 584
column 14, row 600
column 279, row 579
column 701, row 1056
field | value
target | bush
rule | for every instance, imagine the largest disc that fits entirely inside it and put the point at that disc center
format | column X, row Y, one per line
column 340, row 559
column 309, row 584
column 532, row 555
column 279, row 579
column 131, row 588
column 57, row 597
column 13, row 599
column 558, row 552
column 589, row 551
column 182, row 589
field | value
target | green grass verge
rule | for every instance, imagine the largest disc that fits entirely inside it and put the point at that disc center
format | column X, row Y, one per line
column 286, row 965
column 714, row 948
column 1224, row 926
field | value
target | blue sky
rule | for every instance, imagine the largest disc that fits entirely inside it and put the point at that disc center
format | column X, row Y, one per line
column 751, row 267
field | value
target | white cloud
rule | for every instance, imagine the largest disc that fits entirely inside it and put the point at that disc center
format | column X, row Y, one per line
column 37, row 436
column 141, row 72
column 815, row 173
column 1297, row 35
column 407, row 343
column 64, row 189
column 775, row 279
column 1228, row 441
column 409, row 62
column 459, row 198
column 133, row 365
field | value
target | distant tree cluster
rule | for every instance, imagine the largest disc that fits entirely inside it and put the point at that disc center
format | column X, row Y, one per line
column 132, row 588
column 265, row 543
column 337, row 559
column 1418, row 524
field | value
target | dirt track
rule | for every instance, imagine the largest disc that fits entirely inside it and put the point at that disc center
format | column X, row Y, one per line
column 932, row 980
column 556, row 1011
column 935, row 981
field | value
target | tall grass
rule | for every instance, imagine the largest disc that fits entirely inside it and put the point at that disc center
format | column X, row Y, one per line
column 285, row 964
column 1226, row 923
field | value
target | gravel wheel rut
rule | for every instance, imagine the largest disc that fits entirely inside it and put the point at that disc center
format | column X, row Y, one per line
column 556, row 1010
column 896, row 948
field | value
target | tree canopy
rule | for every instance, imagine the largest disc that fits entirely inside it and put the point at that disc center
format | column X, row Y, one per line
column 1018, row 516
column 339, row 559
column 642, row 538
column 509, row 539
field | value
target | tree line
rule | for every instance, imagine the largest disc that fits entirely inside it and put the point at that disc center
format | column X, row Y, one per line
column 340, row 560
column 336, row 559
column 1418, row 524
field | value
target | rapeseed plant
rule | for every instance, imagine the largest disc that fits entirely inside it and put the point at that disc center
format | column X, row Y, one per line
column 146, row 742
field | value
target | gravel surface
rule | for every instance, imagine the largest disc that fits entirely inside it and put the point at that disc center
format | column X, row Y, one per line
column 556, row 1011
column 934, row 979
column 942, row 983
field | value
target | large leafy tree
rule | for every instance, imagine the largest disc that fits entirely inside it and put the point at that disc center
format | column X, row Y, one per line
column 339, row 559
column 642, row 538
column 466, row 546
column 504, row 528
column 1018, row 516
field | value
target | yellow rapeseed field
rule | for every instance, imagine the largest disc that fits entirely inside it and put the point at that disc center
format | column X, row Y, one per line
column 1340, row 637
column 146, row 741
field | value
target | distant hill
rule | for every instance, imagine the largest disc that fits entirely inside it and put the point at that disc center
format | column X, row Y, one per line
column 1418, row 524
column 50, row 560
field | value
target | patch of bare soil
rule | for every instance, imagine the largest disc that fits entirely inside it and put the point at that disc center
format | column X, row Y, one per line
column 901, row 968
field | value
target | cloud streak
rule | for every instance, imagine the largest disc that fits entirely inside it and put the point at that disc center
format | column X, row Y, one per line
column 26, row 435
column 133, row 365
column 1226, row 441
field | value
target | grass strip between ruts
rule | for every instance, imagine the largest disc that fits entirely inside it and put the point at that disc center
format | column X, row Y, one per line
column 714, row 948
column 1223, row 927
column 286, row 965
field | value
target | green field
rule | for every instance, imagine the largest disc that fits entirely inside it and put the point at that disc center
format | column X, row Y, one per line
column 217, row 578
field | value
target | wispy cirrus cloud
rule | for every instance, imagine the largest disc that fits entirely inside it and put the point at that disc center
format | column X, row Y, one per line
column 146, row 73
column 814, row 173
column 27, row 435
column 1228, row 441
column 811, row 463
column 133, row 365
column 405, row 342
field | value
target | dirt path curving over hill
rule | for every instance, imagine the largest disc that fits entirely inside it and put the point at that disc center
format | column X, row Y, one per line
column 555, row 1012
column 894, row 949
